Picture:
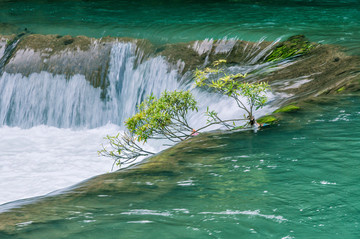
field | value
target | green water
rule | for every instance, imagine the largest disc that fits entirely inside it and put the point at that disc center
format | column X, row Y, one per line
column 161, row 21
column 298, row 179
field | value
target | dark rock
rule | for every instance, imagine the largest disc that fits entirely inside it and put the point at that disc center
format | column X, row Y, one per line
column 68, row 41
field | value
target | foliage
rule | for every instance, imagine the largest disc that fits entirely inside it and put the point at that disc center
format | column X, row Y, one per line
column 165, row 116
column 214, row 119
column 231, row 86
column 124, row 149
column 157, row 118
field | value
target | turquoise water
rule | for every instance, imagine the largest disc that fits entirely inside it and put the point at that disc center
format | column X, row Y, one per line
column 327, row 21
column 298, row 179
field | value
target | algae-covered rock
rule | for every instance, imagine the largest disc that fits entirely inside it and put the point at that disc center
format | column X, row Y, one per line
column 340, row 89
column 295, row 45
column 268, row 119
column 201, row 53
column 324, row 70
column 288, row 108
column 64, row 55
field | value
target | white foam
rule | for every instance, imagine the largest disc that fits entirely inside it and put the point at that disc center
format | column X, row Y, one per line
column 42, row 159
column 141, row 222
column 146, row 212
column 327, row 183
column 250, row 213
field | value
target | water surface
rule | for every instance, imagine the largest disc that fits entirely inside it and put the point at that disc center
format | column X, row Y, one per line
column 298, row 179
column 160, row 21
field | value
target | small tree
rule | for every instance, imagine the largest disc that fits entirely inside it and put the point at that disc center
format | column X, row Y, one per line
column 157, row 118
column 166, row 117
column 163, row 118
column 231, row 86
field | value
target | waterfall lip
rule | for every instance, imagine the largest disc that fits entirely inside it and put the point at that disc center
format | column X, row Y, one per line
column 90, row 61
column 70, row 55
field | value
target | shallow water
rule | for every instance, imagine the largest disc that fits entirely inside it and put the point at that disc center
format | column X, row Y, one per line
column 298, row 179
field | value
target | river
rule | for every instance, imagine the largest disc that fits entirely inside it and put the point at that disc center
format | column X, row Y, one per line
column 295, row 179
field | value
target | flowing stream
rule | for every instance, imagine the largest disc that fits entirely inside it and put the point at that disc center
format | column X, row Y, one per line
column 36, row 109
column 297, row 179
column 49, row 120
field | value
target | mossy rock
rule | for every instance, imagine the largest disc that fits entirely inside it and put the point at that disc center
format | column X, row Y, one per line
column 288, row 108
column 294, row 46
column 340, row 89
column 269, row 119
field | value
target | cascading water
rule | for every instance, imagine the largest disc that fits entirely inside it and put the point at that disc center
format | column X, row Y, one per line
column 39, row 107
column 38, row 152
column 129, row 85
column 46, row 99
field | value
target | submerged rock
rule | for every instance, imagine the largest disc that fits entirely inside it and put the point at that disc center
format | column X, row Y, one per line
column 197, row 54
column 297, row 67
column 288, row 108
column 294, row 46
column 323, row 71
column 268, row 119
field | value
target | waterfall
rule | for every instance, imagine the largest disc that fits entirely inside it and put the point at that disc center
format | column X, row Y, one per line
column 47, row 99
column 52, row 125
column 130, row 84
